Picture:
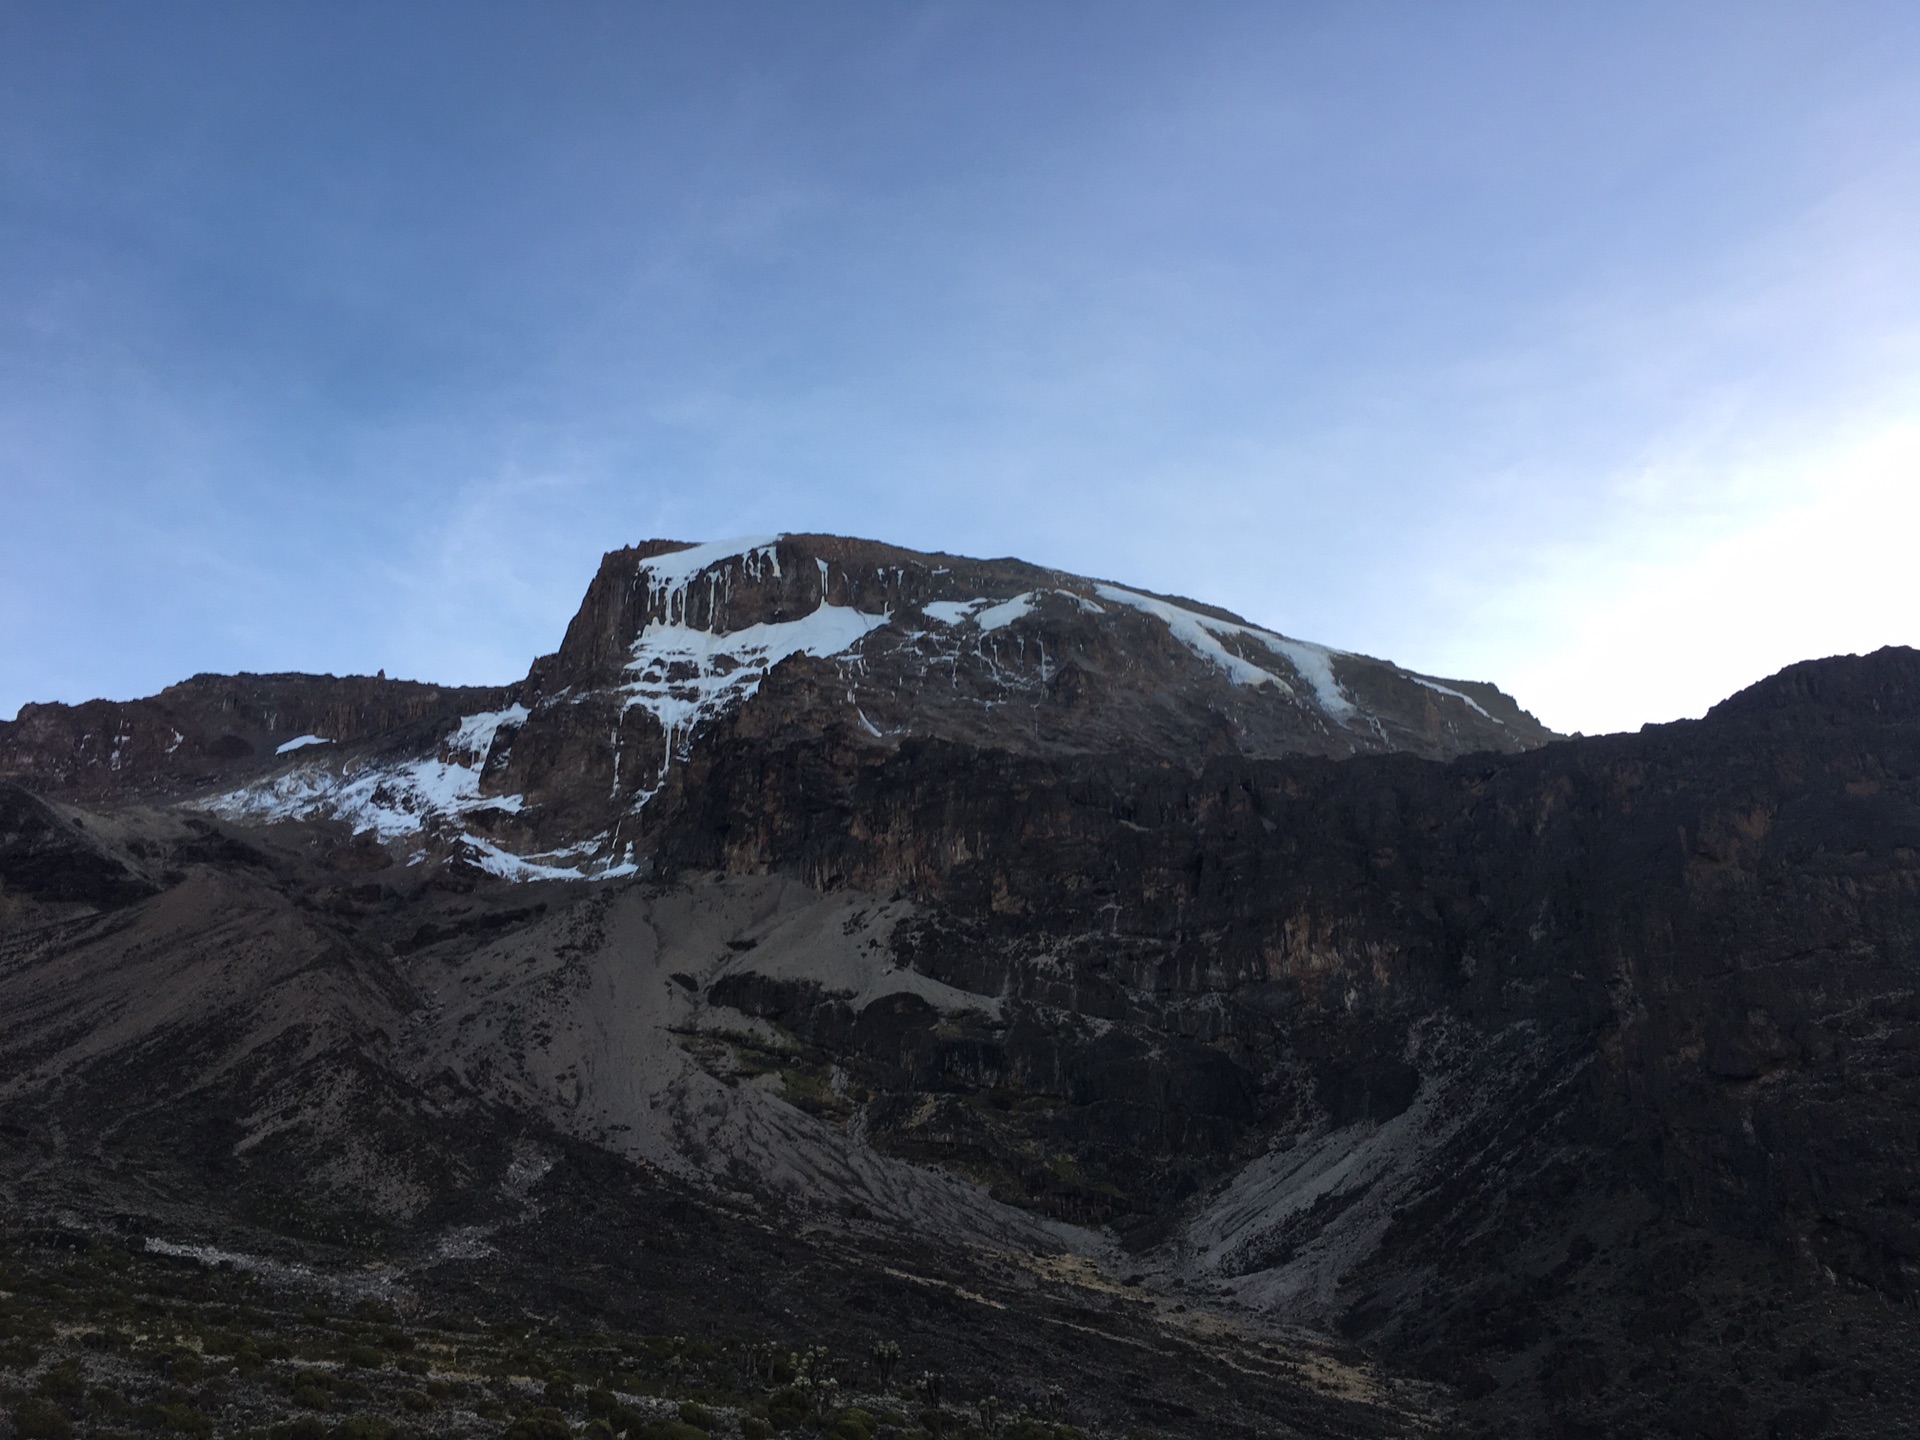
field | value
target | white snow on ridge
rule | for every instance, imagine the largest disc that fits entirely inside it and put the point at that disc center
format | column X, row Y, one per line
column 390, row 800
column 687, row 677
column 1201, row 634
column 299, row 743
column 998, row 617
column 1466, row 700
column 677, row 567
column 669, row 577
column 952, row 612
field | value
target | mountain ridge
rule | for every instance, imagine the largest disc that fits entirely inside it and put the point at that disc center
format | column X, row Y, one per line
column 1566, row 1088
column 671, row 637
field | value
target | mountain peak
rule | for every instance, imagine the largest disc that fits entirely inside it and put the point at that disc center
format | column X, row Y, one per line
column 676, row 642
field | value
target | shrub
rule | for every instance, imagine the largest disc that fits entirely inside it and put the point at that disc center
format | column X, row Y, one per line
column 598, row 1430
column 180, row 1419
column 673, row 1430
column 312, row 1397
column 787, row 1407
column 178, row 1364
column 542, row 1425
column 418, row 1401
column 365, row 1356
column 396, row 1340
column 40, row 1420
column 754, row 1428
column 696, row 1415
column 305, row 1428
column 363, row 1427
column 62, row 1383
column 601, row 1402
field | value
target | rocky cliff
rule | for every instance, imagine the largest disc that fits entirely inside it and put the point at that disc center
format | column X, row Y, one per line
column 993, row 912
column 553, row 777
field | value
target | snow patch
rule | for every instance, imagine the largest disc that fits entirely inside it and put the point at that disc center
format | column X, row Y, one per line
column 391, row 800
column 953, row 612
column 995, row 615
column 687, row 678
column 1467, row 700
column 301, row 743
column 678, row 567
column 1201, row 634
column 998, row 617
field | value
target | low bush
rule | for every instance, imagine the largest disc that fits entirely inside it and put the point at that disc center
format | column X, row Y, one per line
column 541, row 1425
column 310, row 1393
column 40, row 1420
column 178, row 1364
column 787, row 1407
column 179, row 1419
column 363, row 1427
column 62, row 1383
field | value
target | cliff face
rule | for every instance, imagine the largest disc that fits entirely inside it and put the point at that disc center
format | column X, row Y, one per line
column 553, row 777
column 215, row 730
column 1575, row 1077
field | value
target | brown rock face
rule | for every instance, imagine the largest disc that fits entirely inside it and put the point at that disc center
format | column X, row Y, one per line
column 216, row 729
column 895, row 646
column 965, row 903
column 793, row 635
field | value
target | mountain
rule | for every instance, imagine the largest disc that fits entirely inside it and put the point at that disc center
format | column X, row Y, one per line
column 557, row 776
column 1086, row 987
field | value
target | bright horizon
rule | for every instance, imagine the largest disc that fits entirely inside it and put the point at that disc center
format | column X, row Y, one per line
column 1575, row 351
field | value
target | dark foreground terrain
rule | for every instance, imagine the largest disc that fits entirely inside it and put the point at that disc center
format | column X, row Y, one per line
column 1145, row 1023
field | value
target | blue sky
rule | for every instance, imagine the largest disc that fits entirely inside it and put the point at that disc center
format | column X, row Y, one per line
column 1573, row 347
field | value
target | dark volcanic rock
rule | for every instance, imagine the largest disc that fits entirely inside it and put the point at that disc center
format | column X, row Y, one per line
column 895, row 646
column 44, row 857
column 988, row 910
column 212, row 730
